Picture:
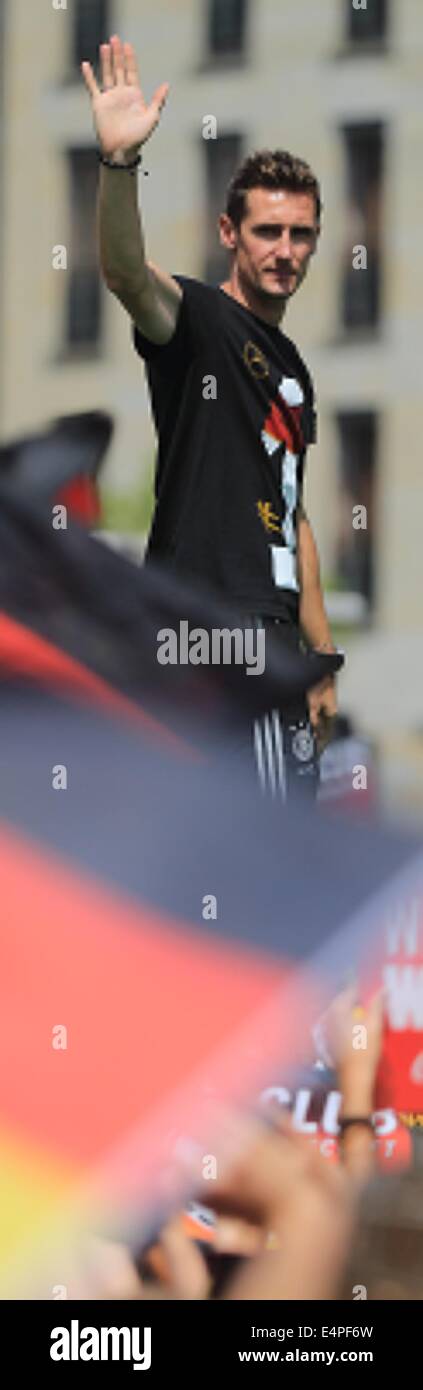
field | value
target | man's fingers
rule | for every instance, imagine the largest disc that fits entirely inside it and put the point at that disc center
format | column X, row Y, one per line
column 89, row 80
column 131, row 69
column 160, row 95
column 314, row 712
column 106, row 66
column 117, row 61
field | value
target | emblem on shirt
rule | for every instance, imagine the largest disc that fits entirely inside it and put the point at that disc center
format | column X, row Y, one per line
column 303, row 745
column 255, row 360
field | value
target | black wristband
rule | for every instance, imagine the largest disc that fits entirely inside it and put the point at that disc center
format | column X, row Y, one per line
column 344, row 1123
column 110, row 165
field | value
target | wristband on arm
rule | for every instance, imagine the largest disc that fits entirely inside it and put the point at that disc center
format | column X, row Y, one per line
column 355, row 1120
column 135, row 163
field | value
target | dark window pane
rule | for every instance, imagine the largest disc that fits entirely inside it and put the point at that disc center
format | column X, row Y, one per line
column 222, row 157
column 84, row 288
column 364, row 149
column 227, row 20
column 83, row 307
column 91, row 27
column 357, row 432
column 361, row 297
column 368, row 24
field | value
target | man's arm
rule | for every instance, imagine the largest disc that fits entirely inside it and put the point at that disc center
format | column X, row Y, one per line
column 123, row 124
column 315, row 626
column 150, row 296
column 313, row 618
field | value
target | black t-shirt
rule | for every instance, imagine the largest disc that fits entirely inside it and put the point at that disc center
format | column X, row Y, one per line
column 233, row 406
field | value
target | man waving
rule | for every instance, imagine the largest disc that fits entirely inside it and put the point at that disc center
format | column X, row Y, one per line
column 232, row 399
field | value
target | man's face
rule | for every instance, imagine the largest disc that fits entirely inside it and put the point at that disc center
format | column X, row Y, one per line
column 275, row 241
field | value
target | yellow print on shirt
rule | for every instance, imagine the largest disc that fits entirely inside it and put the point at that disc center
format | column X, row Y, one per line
column 256, row 361
column 271, row 520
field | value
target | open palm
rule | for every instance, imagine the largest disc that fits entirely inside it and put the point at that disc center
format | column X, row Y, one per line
column 122, row 118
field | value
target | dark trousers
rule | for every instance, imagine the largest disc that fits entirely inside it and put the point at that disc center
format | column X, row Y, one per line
column 284, row 744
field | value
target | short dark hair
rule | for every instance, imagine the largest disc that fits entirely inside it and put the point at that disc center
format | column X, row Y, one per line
column 270, row 169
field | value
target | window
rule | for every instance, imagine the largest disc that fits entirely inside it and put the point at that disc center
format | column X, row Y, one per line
column 222, row 157
column 357, row 431
column 91, row 27
column 84, row 285
column 367, row 25
column 227, row 27
column 364, row 149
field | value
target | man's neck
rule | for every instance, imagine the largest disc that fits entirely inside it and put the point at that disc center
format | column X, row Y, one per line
column 271, row 311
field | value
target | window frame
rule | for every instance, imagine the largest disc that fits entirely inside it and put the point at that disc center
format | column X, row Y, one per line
column 355, row 43
column 372, row 328
column 226, row 58
column 371, row 419
column 85, row 348
column 90, row 56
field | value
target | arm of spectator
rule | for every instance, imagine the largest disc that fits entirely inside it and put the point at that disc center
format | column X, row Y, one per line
column 354, row 1036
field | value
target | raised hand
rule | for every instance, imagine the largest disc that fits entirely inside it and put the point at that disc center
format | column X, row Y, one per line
column 122, row 118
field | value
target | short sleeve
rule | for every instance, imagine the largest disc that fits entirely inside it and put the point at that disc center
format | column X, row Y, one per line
column 180, row 345
column 198, row 320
